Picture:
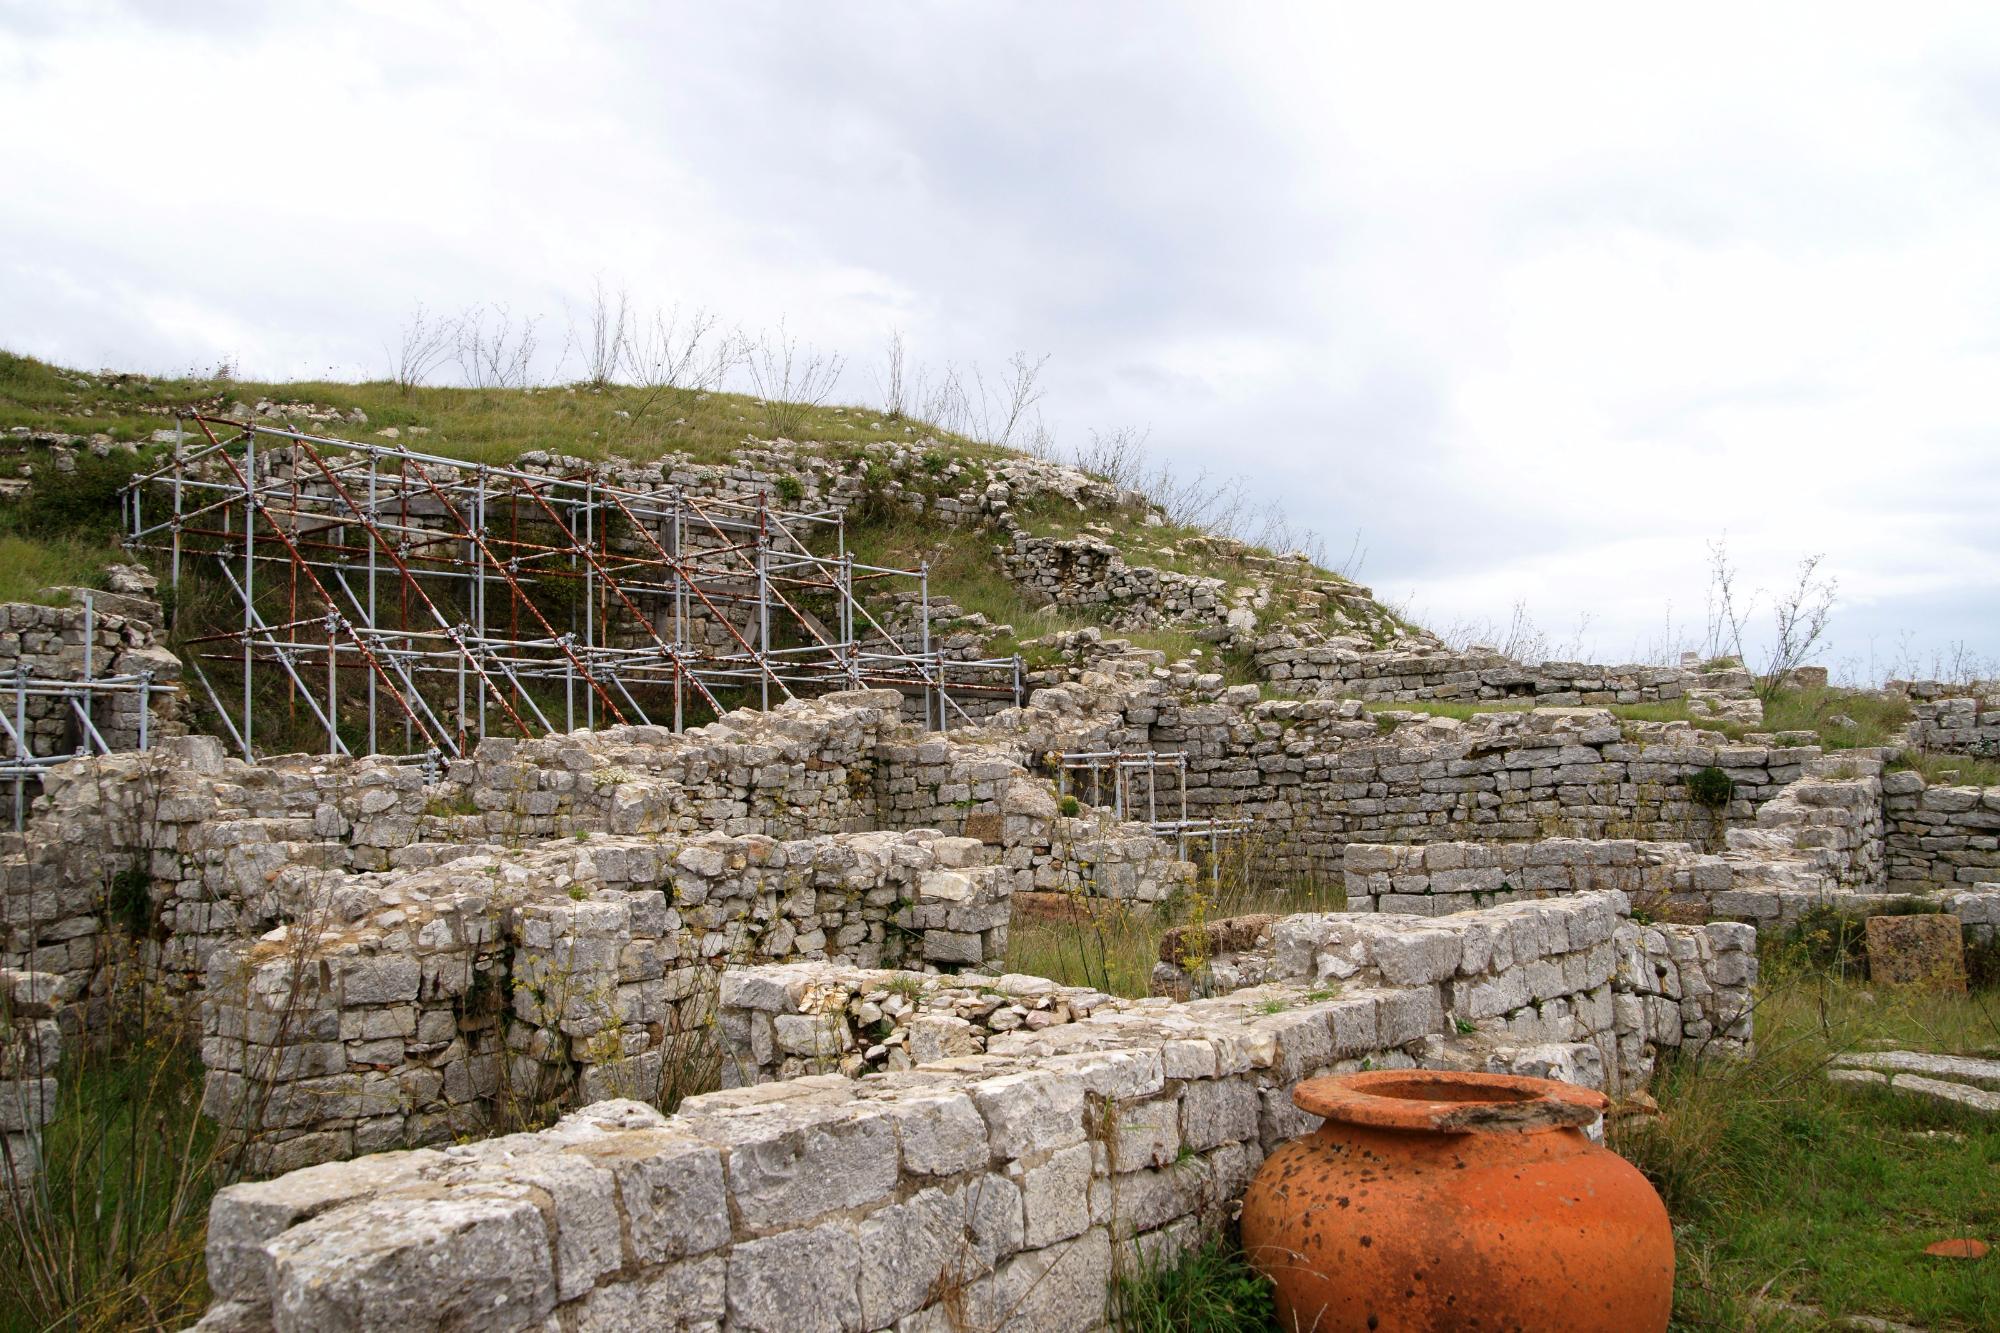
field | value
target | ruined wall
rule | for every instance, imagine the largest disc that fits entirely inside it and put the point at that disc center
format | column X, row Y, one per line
column 1968, row 725
column 1573, row 970
column 122, row 632
column 998, row 1189
column 1940, row 836
column 404, row 1008
column 798, row 1019
column 1354, row 668
column 976, row 785
column 1086, row 574
column 31, row 1043
column 1316, row 775
column 1443, row 877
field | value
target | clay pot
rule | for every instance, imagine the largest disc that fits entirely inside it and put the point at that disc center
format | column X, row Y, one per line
column 1440, row 1200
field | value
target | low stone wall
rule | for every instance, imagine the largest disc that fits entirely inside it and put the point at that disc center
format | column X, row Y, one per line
column 1356, row 669
column 1569, row 971
column 1940, row 836
column 1000, row 1189
column 49, row 642
column 1968, row 725
column 1316, row 775
column 408, row 1007
column 30, row 1054
column 808, row 767
column 797, row 1019
column 975, row 785
column 1082, row 573
column 1443, row 877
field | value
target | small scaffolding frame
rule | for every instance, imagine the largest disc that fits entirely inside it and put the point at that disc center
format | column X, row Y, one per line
column 19, row 764
column 471, row 599
column 1119, row 772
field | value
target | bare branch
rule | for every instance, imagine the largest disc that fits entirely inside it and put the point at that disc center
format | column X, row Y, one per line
column 425, row 343
column 496, row 357
column 791, row 380
column 604, row 341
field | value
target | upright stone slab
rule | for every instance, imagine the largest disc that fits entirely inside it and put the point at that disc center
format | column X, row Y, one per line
column 1927, row 950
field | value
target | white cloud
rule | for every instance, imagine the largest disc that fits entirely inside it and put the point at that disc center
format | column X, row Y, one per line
column 1537, row 298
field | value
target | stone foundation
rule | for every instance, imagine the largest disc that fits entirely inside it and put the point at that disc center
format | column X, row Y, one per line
column 1002, row 1187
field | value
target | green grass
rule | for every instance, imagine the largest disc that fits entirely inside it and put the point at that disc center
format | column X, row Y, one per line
column 1950, row 770
column 1114, row 947
column 1871, row 719
column 1784, row 1186
column 67, row 533
column 1209, row 1289
column 480, row 425
column 28, row 567
column 111, row 1235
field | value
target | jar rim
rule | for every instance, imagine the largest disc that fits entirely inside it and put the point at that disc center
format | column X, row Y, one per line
column 1449, row 1101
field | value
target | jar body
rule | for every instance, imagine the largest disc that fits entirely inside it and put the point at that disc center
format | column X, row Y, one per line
column 1367, row 1227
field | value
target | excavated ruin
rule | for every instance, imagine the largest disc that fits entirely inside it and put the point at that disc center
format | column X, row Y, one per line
column 791, row 926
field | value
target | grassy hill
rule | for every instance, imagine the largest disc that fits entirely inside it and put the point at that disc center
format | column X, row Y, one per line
column 69, row 440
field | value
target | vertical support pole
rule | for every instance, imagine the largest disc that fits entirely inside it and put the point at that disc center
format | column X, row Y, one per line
column 847, row 643
column 174, row 570
column 764, row 600
column 332, row 685
column 680, row 611
column 374, row 745
column 924, row 617
column 145, row 708
column 249, row 572
column 21, row 747
column 89, row 664
column 589, row 594
column 477, row 594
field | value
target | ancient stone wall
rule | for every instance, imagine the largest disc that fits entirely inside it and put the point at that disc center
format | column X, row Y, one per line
column 1315, row 775
column 797, row 1019
column 1573, row 970
column 1354, row 668
column 1968, row 725
column 976, row 785
column 49, row 642
column 1085, row 574
column 406, row 1007
column 31, row 1042
column 1000, row 1188
column 1940, row 836
column 1437, row 878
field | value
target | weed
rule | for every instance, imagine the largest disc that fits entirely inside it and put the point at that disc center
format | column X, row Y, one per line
column 1785, row 1186
column 1710, row 788
column 1209, row 1289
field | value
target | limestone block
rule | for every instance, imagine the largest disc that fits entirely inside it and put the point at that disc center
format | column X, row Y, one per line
column 472, row 1260
column 1917, row 951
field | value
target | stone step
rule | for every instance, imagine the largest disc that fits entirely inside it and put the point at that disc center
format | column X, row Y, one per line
column 1916, row 1085
column 1963, row 1068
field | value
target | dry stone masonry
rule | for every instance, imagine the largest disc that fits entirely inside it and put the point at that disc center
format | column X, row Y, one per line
column 392, row 961
column 1002, row 1186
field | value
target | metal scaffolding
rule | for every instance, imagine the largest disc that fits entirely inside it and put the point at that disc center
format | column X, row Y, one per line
column 1120, row 773
column 393, row 590
column 21, row 690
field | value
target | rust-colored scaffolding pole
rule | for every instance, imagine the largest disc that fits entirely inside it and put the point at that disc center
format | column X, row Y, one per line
column 386, row 555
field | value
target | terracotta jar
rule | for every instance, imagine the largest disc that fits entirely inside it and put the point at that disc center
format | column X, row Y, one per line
column 1439, row 1200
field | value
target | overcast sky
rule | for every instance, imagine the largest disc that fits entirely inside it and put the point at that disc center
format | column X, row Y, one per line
column 1535, row 299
